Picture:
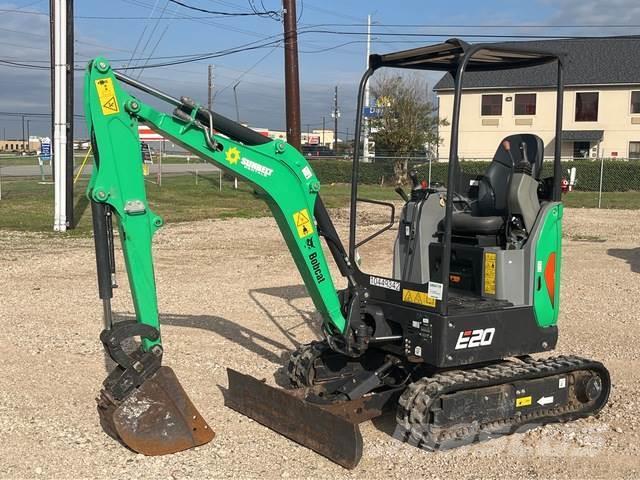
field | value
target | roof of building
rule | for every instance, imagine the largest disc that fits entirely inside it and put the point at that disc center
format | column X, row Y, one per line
column 588, row 61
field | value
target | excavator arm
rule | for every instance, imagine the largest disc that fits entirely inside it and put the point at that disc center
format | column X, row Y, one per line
column 142, row 403
column 278, row 172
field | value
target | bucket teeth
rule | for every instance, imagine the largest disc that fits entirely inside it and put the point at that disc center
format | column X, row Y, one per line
column 157, row 418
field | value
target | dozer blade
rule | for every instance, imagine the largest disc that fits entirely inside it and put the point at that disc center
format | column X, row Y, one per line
column 157, row 418
column 331, row 430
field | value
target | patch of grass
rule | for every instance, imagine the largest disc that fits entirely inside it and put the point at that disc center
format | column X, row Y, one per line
column 587, row 238
column 28, row 205
column 9, row 161
column 623, row 200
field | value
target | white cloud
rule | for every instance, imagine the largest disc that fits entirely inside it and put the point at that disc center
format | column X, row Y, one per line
column 596, row 12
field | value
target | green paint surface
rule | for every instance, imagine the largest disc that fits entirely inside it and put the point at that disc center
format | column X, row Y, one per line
column 279, row 173
column 550, row 241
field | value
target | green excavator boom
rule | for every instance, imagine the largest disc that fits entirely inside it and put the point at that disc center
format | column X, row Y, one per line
column 277, row 171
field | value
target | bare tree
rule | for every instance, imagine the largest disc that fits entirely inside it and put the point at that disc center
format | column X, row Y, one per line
column 407, row 122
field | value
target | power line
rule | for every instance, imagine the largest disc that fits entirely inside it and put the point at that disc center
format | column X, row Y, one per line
column 247, row 70
column 394, row 25
column 226, row 14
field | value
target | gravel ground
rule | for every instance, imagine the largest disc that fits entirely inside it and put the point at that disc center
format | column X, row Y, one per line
column 231, row 297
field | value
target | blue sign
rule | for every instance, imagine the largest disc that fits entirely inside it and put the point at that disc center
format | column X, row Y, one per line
column 45, row 152
column 372, row 112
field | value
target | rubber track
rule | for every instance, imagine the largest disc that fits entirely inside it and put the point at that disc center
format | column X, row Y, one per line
column 301, row 360
column 413, row 414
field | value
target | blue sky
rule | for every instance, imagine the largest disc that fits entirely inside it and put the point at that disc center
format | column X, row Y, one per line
column 326, row 59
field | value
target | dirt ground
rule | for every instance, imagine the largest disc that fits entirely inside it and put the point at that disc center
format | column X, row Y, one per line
column 230, row 297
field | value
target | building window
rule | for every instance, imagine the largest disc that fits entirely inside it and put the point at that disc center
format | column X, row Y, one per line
column 525, row 104
column 634, row 150
column 491, row 105
column 635, row 102
column 586, row 106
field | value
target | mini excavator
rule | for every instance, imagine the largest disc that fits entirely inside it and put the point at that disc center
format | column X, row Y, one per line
column 446, row 340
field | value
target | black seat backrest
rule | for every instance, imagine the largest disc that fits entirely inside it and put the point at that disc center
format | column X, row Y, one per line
column 493, row 187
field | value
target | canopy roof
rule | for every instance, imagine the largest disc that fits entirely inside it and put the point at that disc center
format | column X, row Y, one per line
column 446, row 57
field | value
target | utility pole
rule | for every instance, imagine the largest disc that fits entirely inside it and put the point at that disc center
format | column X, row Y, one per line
column 69, row 58
column 59, row 80
column 365, row 123
column 210, row 87
column 23, row 133
column 291, row 75
column 28, row 142
column 323, row 131
column 335, row 114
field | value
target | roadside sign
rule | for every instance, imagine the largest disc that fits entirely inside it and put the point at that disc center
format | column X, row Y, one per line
column 372, row 112
column 45, row 151
column 146, row 133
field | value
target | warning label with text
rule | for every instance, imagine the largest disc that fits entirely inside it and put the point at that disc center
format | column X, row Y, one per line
column 107, row 96
column 490, row 273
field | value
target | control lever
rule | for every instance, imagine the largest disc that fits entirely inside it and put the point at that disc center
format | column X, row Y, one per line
column 507, row 146
column 402, row 193
column 523, row 148
column 413, row 175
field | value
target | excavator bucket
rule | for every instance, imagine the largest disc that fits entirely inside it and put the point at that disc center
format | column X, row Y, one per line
column 332, row 430
column 157, row 418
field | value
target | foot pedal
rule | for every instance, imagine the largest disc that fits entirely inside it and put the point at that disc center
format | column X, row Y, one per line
column 156, row 418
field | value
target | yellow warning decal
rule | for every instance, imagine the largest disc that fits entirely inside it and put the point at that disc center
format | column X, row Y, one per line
column 523, row 401
column 302, row 220
column 490, row 273
column 419, row 298
column 107, row 96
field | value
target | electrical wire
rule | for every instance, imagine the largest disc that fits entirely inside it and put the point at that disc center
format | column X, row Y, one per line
column 226, row 14
column 239, row 77
column 394, row 25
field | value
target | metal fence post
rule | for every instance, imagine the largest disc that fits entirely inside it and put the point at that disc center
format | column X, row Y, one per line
column 430, row 160
column 600, row 187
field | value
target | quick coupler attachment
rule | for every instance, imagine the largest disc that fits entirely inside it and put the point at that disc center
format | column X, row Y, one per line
column 142, row 404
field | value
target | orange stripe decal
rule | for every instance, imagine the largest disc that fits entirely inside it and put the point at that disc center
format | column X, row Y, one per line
column 550, row 277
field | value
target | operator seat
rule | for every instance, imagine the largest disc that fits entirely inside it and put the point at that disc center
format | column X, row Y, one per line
column 487, row 213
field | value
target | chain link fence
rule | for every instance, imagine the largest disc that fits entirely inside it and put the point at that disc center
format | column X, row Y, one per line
column 598, row 183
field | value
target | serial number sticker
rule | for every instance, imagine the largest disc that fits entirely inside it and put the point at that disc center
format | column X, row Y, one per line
column 562, row 383
column 107, row 96
column 302, row 220
column 490, row 273
column 419, row 298
column 524, row 401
